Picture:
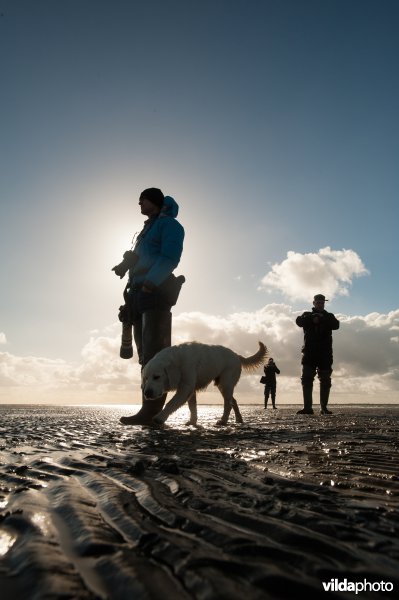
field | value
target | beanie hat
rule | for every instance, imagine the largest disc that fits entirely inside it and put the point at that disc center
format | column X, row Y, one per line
column 154, row 195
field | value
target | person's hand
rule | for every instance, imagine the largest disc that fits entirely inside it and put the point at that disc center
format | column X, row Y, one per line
column 146, row 289
column 119, row 270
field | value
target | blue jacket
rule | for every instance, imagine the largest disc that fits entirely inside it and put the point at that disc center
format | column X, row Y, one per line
column 159, row 247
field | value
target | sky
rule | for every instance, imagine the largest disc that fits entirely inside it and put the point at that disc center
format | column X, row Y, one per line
column 273, row 123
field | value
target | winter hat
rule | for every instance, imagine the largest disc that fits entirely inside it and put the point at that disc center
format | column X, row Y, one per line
column 154, row 195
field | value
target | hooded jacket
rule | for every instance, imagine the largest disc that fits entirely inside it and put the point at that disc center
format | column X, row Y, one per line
column 159, row 247
column 270, row 371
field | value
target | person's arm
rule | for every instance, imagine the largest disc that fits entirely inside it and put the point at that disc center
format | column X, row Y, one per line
column 333, row 322
column 304, row 320
column 172, row 236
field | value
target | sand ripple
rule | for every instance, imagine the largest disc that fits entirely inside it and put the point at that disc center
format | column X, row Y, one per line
column 268, row 509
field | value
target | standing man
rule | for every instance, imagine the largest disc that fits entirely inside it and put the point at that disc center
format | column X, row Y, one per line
column 155, row 255
column 317, row 354
column 270, row 381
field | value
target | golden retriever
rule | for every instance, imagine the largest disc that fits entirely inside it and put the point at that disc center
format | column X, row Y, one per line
column 187, row 368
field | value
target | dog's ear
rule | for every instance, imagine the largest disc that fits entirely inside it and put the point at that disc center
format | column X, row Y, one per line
column 172, row 374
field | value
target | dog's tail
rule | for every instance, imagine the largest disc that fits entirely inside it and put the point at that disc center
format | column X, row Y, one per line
column 250, row 363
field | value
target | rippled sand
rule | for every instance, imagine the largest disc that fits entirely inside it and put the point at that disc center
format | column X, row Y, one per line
column 267, row 509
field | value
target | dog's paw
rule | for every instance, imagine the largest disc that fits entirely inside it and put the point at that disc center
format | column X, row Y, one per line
column 195, row 425
column 221, row 423
column 157, row 422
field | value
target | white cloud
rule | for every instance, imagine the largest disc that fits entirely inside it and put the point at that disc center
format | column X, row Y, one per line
column 300, row 276
column 28, row 371
column 366, row 359
column 101, row 376
column 3, row 339
column 366, row 350
column 273, row 324
column 366, row 345
column 102, row 368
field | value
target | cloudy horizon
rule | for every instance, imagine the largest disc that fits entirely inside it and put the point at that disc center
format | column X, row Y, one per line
column 366, row 347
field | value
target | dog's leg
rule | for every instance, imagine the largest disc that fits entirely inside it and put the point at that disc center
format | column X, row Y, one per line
column 236, row 411
column 227, row 392
column 184, row 392
column 226, row 389
column 228, row 405
column 192, row 405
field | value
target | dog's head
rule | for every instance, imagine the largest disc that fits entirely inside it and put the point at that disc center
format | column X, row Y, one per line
column 153, row 383
column 158, row 377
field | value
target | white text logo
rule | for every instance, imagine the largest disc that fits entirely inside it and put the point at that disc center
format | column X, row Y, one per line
column 335, row 585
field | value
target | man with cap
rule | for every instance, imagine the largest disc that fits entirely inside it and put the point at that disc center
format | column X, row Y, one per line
column 317, row 354
column 156, row 254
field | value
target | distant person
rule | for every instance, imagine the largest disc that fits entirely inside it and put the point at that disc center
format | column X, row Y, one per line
column 269, row 378
column 317, row 353
column 152, row 289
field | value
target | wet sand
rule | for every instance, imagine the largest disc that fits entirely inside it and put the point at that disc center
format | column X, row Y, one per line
column 265, row 510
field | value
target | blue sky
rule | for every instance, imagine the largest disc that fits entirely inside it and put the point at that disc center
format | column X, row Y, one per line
column 273, row 123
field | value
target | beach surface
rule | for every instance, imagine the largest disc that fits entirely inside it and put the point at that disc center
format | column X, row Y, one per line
column 270, row 509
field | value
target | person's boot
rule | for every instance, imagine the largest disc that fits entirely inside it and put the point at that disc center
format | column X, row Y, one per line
column 307, row 401
column 153, row 335
column 147, row 412
column 324, row 395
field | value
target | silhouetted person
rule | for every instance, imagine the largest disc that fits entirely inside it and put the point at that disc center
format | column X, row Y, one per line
column 317, row 353
column 155, row 255
column 271, row 370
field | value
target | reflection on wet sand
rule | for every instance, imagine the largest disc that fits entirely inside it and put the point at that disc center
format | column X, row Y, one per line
column 267, row 509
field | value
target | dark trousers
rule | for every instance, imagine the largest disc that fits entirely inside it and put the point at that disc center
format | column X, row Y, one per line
column 308, row 374
column 270, row 389
column 152, row 332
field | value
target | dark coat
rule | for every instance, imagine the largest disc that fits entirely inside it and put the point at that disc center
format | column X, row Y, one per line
column 270, row 373
column 317, row 347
